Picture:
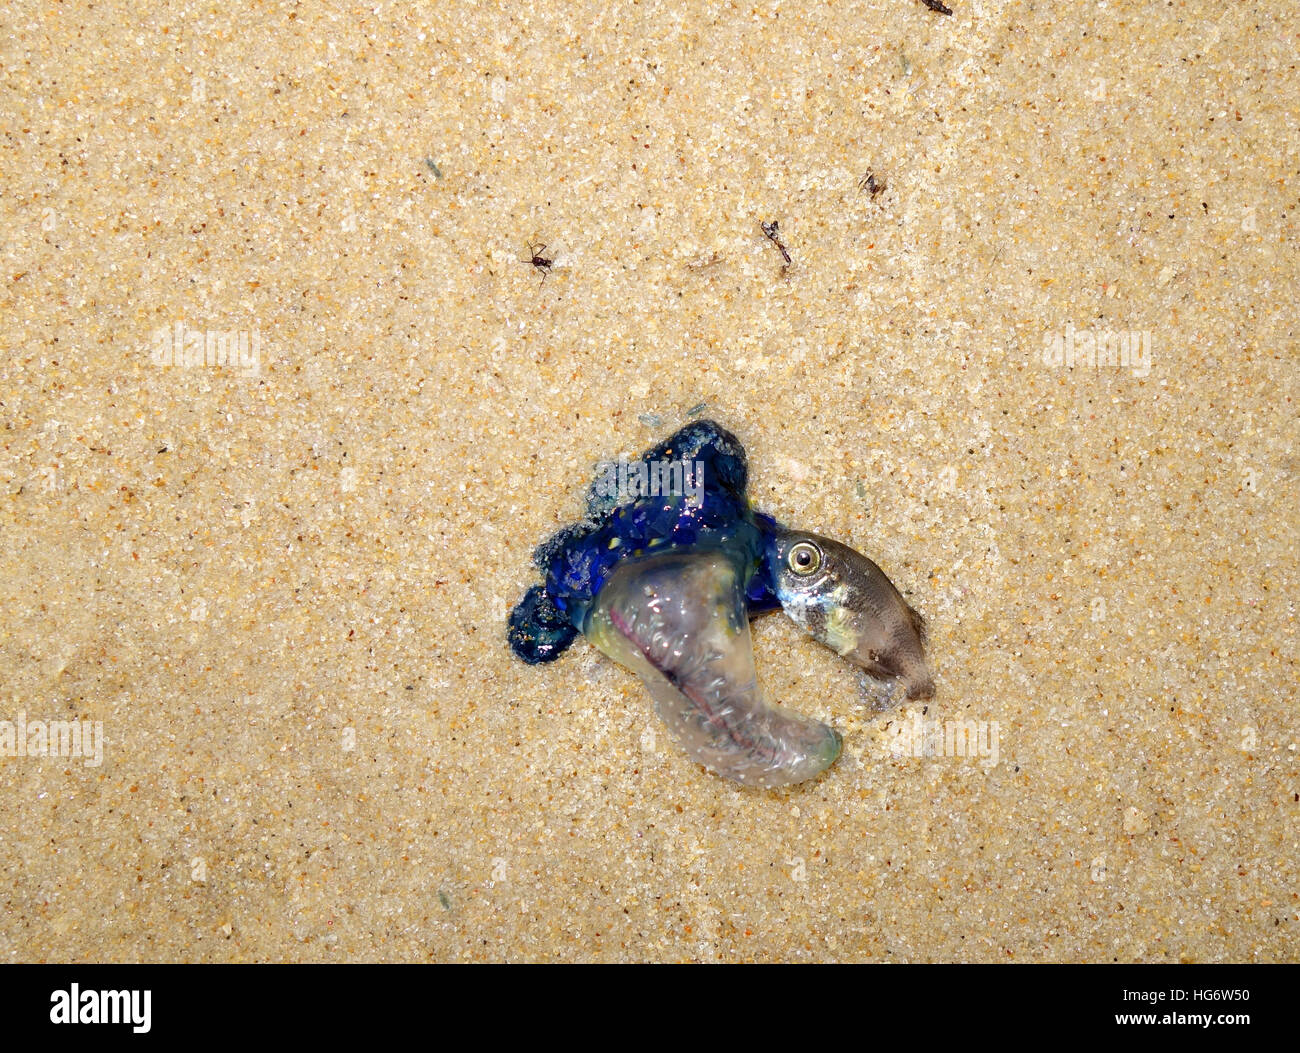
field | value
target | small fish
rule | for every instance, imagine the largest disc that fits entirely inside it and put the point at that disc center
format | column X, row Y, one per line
column 843, row 600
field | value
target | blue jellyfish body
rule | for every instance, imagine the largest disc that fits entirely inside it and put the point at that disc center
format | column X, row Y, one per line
column 708, row 509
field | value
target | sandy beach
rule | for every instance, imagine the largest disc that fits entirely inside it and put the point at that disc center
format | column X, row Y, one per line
column 287, row 400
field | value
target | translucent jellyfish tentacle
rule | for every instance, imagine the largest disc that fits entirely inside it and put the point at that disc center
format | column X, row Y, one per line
column 679, row 622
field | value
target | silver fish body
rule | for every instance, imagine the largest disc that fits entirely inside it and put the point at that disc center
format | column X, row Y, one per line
column 843, row 600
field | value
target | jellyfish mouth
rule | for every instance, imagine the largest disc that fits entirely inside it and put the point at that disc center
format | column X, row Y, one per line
column 679, row 622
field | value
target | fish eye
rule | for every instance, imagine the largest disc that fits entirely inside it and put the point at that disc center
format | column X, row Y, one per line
column 804, row 558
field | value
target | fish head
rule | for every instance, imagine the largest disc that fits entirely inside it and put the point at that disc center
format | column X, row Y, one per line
column 843, row 600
